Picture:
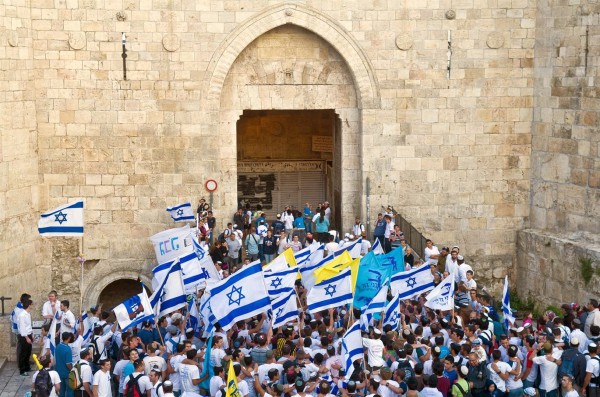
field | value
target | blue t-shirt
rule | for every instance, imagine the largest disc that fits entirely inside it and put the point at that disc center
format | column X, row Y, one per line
column 322, row 227
column 128, row 370
column 63, row 356
column 379, row 228
column 299, row 223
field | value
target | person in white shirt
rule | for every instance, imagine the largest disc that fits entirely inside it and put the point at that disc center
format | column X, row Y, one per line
column 67, row 320
column 101, row 382
column 593, row 317
column 51, row 306
column 46, row 363
column 375, row 350
column 387, row 386
column 243, row 387
column 99, row 341
column 24, row 337
column 358, row 228
column 189, row 375
column 155, row 362
column 430, row 389
column 331, row 246
column 548, row 363
column 567, row 384
column 592, row 371
column 87, row 378
column 499, row 371
column 432, row 253
column 217, row 382
column 158, row 389
column 138, row 376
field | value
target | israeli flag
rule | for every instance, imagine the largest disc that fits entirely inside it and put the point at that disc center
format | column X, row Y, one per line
column 182, row 212
column 206, row 314
column 206, row 262
column 194, row 275
column 240, row 296
column 442, row 296
column 379, row 301
column 134, row 310
column 170, row 295
column 87, row 328
column 412, row 283
column 392, row 313
column 310, row 255
column 52, row 333
column 284, row 308
column 333, row 292
column 66, row 220
column 194, row 319
column 280, row 282
column 353, row 249
column 283, row 261
column 308, row 268
column 377, row 248
column 352, row 348
column 14, row 315
column 506, row 310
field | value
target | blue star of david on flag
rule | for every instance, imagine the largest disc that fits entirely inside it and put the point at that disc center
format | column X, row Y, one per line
column 330, row 290
column 276, row 282
column 180, row 212
column 279, row 312
column 240, row 296
column 411, row 282
column 60, row 217
column 205, row 273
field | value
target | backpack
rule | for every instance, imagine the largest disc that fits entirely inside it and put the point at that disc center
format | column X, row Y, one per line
column 568, row 359
column 132, row 388
column 113, row 350
column 43, row 383
column 94, row 350
column 464, row 393
column 408, row 369
column 74, row 380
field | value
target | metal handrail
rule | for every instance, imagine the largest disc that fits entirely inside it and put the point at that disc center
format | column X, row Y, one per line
column 413, row 237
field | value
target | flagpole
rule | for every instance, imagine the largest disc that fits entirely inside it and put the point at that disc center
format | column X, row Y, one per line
column 81, row 260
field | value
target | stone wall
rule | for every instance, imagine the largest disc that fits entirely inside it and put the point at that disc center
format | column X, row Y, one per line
column 565, row 176
column 20, row 189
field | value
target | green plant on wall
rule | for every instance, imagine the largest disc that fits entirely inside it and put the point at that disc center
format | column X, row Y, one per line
column 587, row 271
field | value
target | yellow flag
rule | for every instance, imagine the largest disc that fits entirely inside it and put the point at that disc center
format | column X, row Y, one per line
column 333, row 267
column 283, row 262
column 232, row 386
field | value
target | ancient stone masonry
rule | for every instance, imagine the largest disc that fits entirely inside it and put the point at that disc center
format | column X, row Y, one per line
column 509, row 141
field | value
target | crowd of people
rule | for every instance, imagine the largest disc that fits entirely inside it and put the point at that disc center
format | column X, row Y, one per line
column 466, row 352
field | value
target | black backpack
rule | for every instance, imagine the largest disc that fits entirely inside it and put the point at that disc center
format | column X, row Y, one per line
column 408, row 369
column 43, row 383
column 132, row 387
column 96, row 354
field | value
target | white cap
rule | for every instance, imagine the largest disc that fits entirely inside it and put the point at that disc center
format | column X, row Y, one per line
column 376, row 331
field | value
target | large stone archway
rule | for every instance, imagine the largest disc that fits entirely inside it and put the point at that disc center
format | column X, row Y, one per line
column 356, row 90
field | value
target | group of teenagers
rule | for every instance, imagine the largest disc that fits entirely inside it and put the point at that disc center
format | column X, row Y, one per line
column 430, row 354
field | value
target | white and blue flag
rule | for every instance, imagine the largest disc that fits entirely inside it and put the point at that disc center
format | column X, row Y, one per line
column 352, row 348
column 206, row 262
column 240, row 296
column 14, row 315
column 194, row 319
column 392, row 313
column 170, row 294
column 52, row 333
column 182, row 212
column 194, row 275
column 377, row 248
column 206, row 314
column 353, row 249
column 66, row 220
column 333, row 292
column 442, row 296
column 284, row 308
column 412, row 283
column 374, row 308
column 134, row 310
column 281, row 281
column 87, row 328
column 506, row 310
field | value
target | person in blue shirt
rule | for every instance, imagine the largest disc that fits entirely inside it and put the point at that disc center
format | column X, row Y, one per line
column 261, row 217
column 63, row 358
column 379, row 231
column 308, row 215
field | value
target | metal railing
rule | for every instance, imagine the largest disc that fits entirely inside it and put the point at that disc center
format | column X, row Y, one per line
column 413, row 237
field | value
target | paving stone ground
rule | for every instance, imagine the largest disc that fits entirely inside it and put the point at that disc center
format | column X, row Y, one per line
column 11, row 383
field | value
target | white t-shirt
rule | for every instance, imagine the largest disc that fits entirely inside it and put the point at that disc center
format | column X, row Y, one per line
column 243, row 388
column 512, row 382
column 548, row 371
column 216, row 357
column 143, row 382
column 385, row 391
column 102, row 380
column 187, row 373
column 332, row 247
column 215, row 384
column 53, row 377
column 592, row 366
column 288, row 222
column 118, row 371
column 156, row 362
column 365, row 247
column 374, row 352
column 174, row 377
column 494, row 377
column 67, row 323
column 47, row 308
column 86, row 374
column 263, row 371
column 432, row 251
column 76, row 348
